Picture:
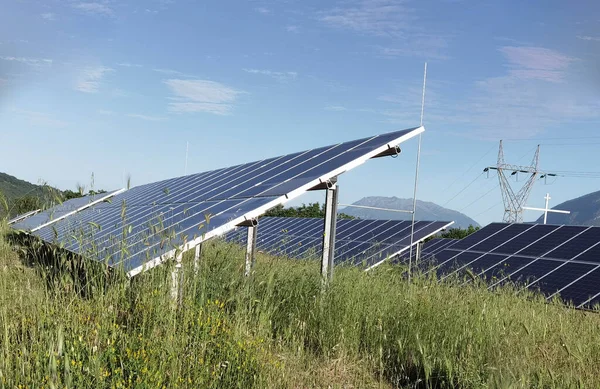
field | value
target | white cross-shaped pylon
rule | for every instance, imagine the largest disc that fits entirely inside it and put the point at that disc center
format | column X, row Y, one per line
column 547, row 209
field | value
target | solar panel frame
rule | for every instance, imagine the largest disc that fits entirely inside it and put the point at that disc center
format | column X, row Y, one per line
column 372, row 240
column 260, row 185
column 564, row 262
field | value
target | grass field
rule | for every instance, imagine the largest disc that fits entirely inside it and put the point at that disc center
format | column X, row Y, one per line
column 278, row 329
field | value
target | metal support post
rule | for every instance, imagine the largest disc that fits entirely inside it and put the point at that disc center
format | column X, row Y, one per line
column 250, row 248
column 176, row 280
column 197, row 255
column 331, row 200
column 418, row 250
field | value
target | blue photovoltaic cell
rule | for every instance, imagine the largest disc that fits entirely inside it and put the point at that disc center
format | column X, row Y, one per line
column 479, row 236
column 555, row 260
column 501, row 237
column 520, row 242
column 577, row 245
column 505, row 268
column 561, row 277
column 59, row 210
column 583, row 289
column 146, row 223
column 358, row 241
column 552, row 240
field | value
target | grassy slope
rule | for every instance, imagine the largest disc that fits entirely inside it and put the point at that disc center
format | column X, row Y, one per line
column 279, row 330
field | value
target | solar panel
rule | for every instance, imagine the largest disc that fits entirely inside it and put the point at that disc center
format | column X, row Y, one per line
column 358, row 241
column 556, row 260
column 150, row 223
column 22, row 216
column 38, row 220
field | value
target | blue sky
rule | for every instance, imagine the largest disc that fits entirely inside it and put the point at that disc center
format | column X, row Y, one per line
column 118, row 88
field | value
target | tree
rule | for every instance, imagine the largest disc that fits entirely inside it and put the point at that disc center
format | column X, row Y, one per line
column 459, row 233
column 26, row 204
column 310, row 210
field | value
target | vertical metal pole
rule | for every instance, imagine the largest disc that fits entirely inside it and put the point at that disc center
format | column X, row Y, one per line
column 250, row 249
column 176, row 276
column 329, row 233
column 334, row 206
column 418, row 249
column 412, row 226
column 197, row 255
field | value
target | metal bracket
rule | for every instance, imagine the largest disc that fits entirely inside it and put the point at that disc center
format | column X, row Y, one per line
column 248, row 223
column 392, row 151
column 330, row 183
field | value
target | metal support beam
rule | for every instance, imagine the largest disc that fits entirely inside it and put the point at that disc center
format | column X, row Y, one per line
column 197, row 255
column 250, row 248
column 176, row 281
column 418, row 250
column 331, row 201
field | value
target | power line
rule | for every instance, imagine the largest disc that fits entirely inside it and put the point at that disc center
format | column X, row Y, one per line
column 469, row 169
column 489, row 209
column 480, row 197
column 463, row 189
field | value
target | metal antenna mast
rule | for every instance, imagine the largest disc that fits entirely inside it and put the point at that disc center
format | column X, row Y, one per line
column 514, row 202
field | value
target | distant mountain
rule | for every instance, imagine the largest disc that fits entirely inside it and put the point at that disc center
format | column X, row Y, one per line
column 12, row 187
column 585, row 211
column 425, row 211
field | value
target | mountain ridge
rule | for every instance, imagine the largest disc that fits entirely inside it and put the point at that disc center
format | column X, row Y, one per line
column 426, row 210
column 585, row 211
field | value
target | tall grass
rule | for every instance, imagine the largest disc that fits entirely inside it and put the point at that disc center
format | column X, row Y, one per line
column 279, row 329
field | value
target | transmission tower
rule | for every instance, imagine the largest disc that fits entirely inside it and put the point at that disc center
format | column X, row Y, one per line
column 514, row 202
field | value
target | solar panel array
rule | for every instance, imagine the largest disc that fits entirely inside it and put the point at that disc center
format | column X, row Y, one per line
column 556, row 260
column 358, row 241
column 145, row 225
column 38, row 220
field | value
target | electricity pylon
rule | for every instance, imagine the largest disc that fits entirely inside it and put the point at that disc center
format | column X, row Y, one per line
column 514, row 202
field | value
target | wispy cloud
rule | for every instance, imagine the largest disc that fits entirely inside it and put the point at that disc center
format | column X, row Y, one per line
column 105, row 112
column 28, row 61
column 377, row 17
column 294, row 29
column 534, row 94
column 279, row 76
column 40, row 119
column 589, row 38
column 335, row 108
column 201, row 96
column 393, row 21
column 94, row 8
column 146, row 117
column 263, row 10
column 536, row 63
column 89, row 78
column 49, row 16
column 130, row 65
column 171, row 72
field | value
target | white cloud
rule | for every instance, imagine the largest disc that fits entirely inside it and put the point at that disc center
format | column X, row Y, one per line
column 94, row 8
column 146, row 117
column 90, row 77
column 29, row 61
column 391, row 20
column 129, row 65
column 49, row 16
column 589, row 38
column 336, row 108
column 536, row 63
column 201, row 96
column 263, row 10
column 40, row 119
column 294, row 29
column 279, row 76
column 377, row 17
